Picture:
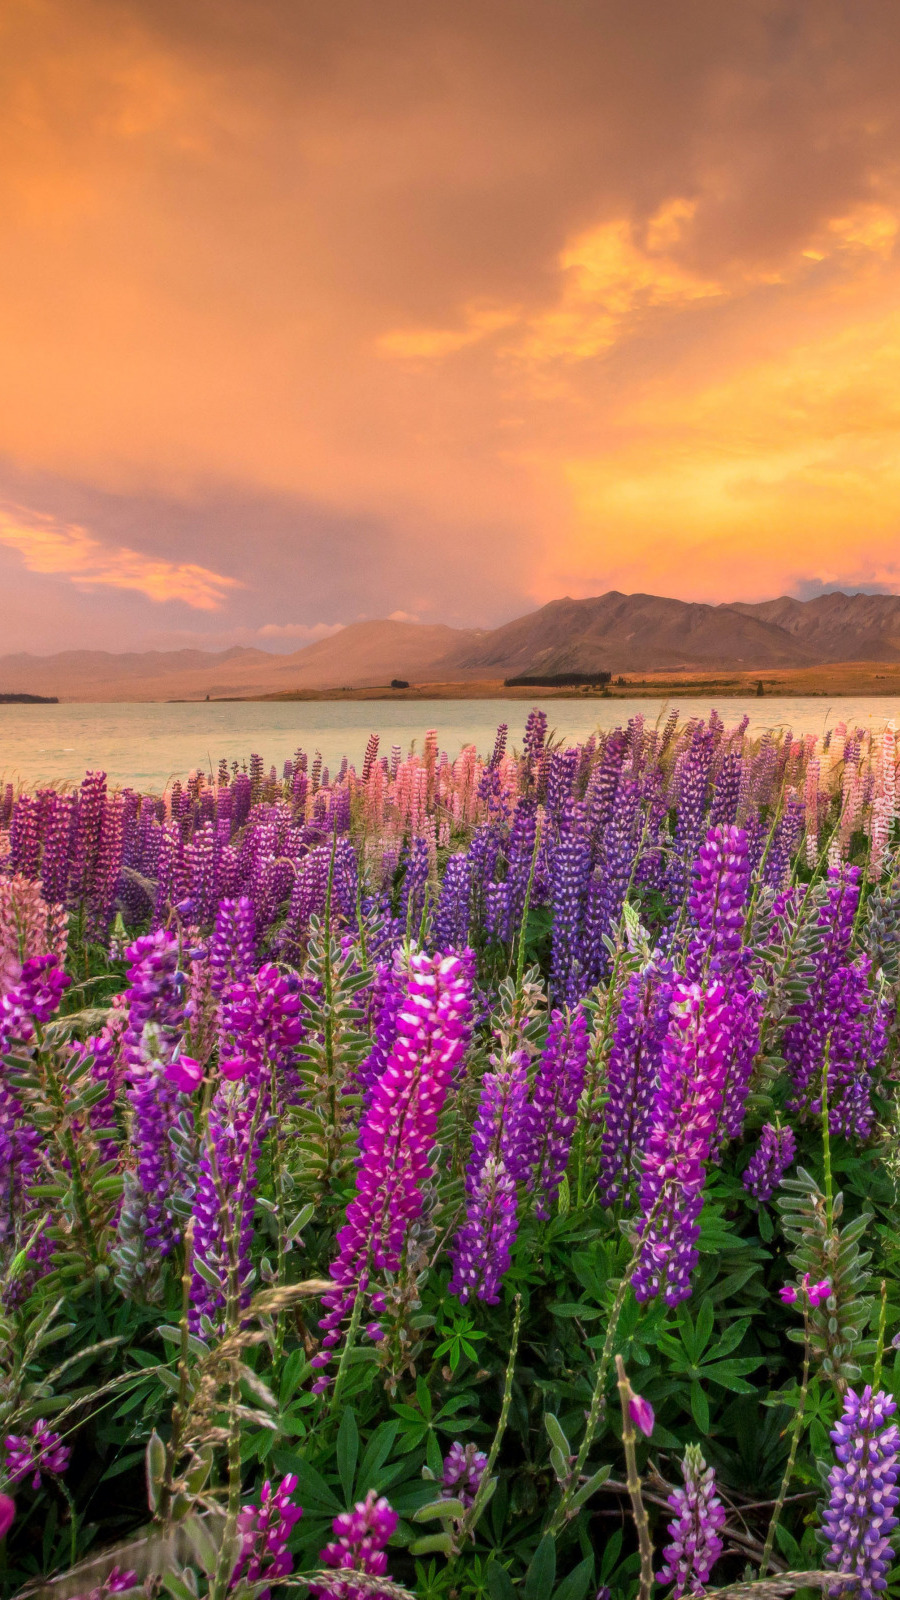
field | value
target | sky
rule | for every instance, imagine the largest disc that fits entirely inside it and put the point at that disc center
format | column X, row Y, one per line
column 321, row 310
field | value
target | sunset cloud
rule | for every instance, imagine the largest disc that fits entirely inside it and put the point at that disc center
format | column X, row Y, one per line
column 66, row 550
column 392, row 310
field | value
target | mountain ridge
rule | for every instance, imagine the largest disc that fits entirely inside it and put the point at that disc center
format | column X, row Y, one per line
column 611, row 632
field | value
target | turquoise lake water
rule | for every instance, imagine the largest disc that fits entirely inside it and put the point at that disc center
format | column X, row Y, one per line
column 149, row 745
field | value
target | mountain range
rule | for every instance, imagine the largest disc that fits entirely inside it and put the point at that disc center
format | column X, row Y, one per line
column 613, row 632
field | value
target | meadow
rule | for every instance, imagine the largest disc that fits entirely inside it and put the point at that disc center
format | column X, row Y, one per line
column 469, row 1177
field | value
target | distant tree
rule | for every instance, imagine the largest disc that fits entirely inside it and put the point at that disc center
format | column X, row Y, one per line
column 760, row 691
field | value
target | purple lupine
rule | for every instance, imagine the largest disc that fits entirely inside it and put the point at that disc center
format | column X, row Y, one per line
column 87, row 828
column 451, row 919
column 499, row 750
column 843, row 1024
column 717, row 904
column 806, row 1039
column 604, row 784
column 462, row 1474
column 232, row 947
column 398, row 1131
column 785, row 843
column 610, row 879
column 25, row 836
column 535, row 737
column 691, row 778
column 101, row 1048
column 412, row 892
column 505, row 902
column 360, row 1537
column 264, row 1531
column 569, row 878
column 551, row 1113
column 224, row 1199
column 388, row 995
column 726, row 794
column 58, row 815
column 640, row 1029
column 683, row 1125
column 859, row 1518
column 773, row 1155
column 481, row 1252
column 32, row 1455
column 694, row 1532
column 155, row 1011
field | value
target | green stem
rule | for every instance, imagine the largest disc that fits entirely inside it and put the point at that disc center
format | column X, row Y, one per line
column 879, row 1348
column 796, row 1427
column 598, row 1401
column 633, row 1484
column 67, row 1141
column 826, row 1146
column 349, row 1342
column 485, row 1487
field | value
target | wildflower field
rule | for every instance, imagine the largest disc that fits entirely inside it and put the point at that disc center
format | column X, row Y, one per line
column 469, row 1177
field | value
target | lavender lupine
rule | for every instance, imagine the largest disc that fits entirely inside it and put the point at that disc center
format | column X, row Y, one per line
column 232, row 948
column 860, row 1518
column 27, row 1457
column 773, row 1155
column 570, row 876
column 481, row 1251
column 683, row 1125
column 505, row 902
column 640, row 1029
column 692, row 778
column 360, row 1537
column 695, row 1542
column 462, row 1473
column 155, row 1011
column 551, row 1113
column 610, row 879
column 451, row 919
column 224, row 1200
column 398, row 1131
column 264, row 1531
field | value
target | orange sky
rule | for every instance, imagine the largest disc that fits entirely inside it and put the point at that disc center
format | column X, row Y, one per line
column 320, row 309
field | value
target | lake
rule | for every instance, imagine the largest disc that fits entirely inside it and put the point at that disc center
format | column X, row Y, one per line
column 147, row 746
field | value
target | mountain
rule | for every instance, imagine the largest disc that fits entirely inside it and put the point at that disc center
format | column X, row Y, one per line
column 633, row 633
column 836, row 627
column 612, row 632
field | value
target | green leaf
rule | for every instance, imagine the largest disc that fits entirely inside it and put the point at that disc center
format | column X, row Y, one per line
column 439, row 1508
column 440, row 1542
column 570, row 1308
column 575, row 1585
column 499, row 1583
column 347, row 1451
column 587, row 1489
column 556, row 1434
column 539, row 1577
column 699, row 1407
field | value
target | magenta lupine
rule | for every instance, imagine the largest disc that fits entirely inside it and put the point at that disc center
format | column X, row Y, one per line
column 641, row 1025
column 809, row 1293
column 261, row 1023
column 360, row 1537
column 28, row 1456
column 683, row 1125
column 859, row 1518
column 398, row 1131
column 463, row 1471
column 264, row 1531
column 481, row 1251
column 32, row 1000
column 694, row 1533
column 551, row 1113
column 767, row 1166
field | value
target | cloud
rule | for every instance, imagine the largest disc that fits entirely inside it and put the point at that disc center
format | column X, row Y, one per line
column 59, row 549
column 404, row 616
column 299, row 632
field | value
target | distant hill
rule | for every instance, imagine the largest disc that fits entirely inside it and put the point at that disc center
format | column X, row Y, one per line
column 618, row 633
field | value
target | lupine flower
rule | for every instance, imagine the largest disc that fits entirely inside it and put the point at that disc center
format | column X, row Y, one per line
column 813, row 1293
column 482, row 1250
column 640, row 1029
column 682, row 1129
column 359, row 1540
column 398, row 1132
column 695, row 1545
column 32, row 1000
column 7, row 1514
column 463, row 1471
column 641, row 1413
column 155, row 1009
column 264, row 1531
column 115, row 1582
column 33, row 1455
column 859, row 1517
column 185, row 1073
column 550, row 1117
column 224, row 1198
column 451, row 919
column 569, row 877
column 770, row 1160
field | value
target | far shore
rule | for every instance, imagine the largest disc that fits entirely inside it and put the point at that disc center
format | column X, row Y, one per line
column 853, row 678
